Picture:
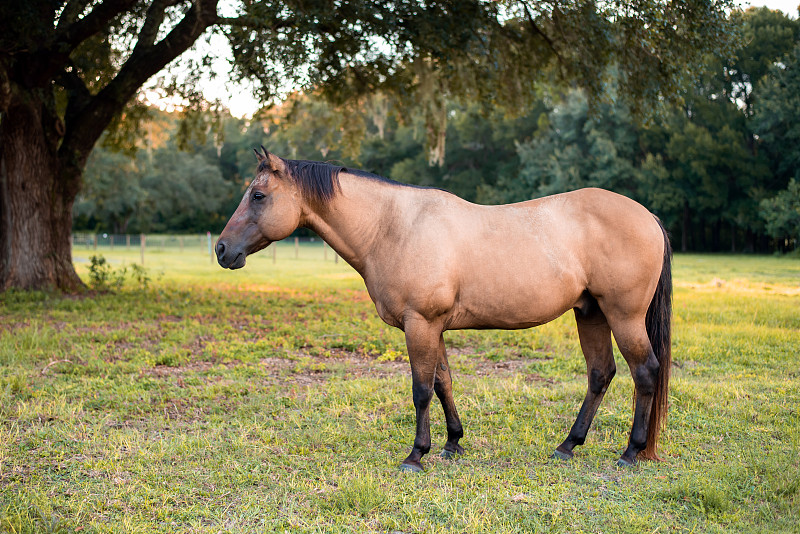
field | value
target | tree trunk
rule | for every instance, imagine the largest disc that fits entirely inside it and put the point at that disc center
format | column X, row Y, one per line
column 35, row 204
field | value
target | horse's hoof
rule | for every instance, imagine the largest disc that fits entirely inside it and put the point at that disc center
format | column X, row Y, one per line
column 411, row 468
column 622, row 462
column 561, row 455
column 449, row 455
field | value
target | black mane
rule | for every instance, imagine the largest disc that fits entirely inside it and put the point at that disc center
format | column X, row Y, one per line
column 319, row 182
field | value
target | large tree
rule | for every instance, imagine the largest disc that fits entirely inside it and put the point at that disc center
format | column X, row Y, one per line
column 69, row 68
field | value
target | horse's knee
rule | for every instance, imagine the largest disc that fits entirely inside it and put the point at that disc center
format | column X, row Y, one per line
column 422, row 394
column 599, row 379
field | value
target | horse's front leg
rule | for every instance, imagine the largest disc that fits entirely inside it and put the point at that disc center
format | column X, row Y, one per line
column 443, row 386
column 422, row 340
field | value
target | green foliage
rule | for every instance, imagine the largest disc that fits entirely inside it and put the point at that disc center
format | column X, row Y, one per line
column 498, row 53
column 572, row 149
column 766, row 35
column 139, row 275
column 103, row 277
column 155, row 190
column 782, row 212
column 112, row 193
column 777, row 116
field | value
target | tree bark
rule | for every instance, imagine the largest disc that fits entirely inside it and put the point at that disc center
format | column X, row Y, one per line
column 35, row 204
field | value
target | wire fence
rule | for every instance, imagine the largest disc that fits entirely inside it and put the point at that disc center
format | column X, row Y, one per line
column 195, row 243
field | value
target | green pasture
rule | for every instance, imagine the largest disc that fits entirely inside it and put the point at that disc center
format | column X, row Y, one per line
column 273, row 399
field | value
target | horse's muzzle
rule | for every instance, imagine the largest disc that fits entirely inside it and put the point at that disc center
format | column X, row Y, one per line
column 229, row 258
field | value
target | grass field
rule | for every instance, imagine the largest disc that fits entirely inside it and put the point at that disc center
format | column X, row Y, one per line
column 273, row 399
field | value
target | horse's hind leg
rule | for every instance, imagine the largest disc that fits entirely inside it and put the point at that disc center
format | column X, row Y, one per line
column 595, row 337
column 443, row 386
column 635, row 346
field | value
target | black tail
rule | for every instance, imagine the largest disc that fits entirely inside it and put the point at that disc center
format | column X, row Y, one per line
column 659, row 330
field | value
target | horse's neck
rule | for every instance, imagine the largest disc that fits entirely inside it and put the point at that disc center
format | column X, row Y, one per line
column 352, row 221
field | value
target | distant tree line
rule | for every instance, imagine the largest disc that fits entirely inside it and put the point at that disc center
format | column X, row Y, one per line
column 722, row 169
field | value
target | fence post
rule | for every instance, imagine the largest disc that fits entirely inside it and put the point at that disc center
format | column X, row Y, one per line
column 111, row 241
column 94, row 241
column 325, row 251
column 296, row 247
column 128, row 241
column 142, row 239
column 335, row 257
column 210, row 251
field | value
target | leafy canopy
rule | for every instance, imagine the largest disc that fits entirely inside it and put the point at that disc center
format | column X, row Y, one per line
column 95, row 55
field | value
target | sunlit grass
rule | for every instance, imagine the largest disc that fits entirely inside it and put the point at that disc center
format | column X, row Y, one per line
column 273, row 399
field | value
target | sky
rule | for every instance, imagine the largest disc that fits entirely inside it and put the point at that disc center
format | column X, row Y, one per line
column 241, row 103
column 787, row 6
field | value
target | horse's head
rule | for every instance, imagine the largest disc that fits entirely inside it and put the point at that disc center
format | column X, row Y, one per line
column 269, row 211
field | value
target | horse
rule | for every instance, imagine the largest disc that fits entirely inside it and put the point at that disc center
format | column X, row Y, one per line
column 432, row 262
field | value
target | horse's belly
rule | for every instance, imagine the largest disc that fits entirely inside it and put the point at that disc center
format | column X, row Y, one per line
column 513, row 305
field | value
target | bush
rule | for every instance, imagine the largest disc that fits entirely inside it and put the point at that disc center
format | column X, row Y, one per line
column 102, row 277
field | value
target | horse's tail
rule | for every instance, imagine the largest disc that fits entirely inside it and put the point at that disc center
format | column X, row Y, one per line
column 659, row 329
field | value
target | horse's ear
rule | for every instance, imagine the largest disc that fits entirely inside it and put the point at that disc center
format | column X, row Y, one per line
column 276, row 163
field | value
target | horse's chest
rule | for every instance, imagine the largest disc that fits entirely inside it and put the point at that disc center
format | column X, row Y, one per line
column 389, row 313
column 386, row 299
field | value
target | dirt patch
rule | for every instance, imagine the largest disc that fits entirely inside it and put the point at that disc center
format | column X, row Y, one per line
column 301, row 368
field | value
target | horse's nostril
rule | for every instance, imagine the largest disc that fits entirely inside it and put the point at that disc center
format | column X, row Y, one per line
column 220, row 249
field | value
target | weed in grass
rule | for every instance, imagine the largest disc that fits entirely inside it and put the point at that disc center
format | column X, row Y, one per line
column 361, row 494
column 103, row 277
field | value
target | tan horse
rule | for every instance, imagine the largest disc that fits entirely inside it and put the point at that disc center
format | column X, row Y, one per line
column 434, row 262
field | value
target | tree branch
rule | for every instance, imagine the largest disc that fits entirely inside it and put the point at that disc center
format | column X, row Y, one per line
column 49, row 60
column 239, row 22
column 152, row 22
column 78, row 95
column 70, row 13
column 77, row 32
column 544, row 36
column 250, row 22
column 85, row 128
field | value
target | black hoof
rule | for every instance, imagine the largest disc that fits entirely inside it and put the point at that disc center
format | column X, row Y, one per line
column 451, row 451
column 411, row 468
column 622, row 462
column 562, row 455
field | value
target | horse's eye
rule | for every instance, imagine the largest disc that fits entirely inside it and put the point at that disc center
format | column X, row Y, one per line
column 258, row 195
